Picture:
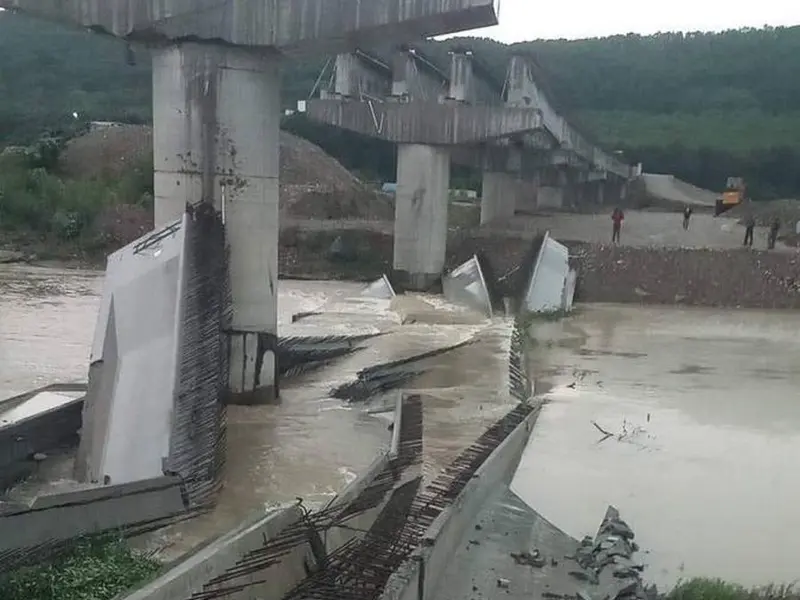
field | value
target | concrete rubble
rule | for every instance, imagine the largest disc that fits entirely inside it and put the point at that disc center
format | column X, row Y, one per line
column 607, row 566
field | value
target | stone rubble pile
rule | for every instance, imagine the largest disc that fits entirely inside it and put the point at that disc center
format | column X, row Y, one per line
column 607, row 566
column 695, row 277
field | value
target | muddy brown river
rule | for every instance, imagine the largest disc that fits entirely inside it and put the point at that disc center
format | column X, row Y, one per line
column 702, row 405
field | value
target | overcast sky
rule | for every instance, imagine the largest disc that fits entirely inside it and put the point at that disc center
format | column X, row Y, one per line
column 522, row 20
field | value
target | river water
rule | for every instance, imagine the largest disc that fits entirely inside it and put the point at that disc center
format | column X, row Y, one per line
column 308, row 445
column 705, row 412
column 703, row 406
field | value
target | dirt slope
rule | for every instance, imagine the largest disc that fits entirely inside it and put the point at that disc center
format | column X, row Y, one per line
column 313, row 184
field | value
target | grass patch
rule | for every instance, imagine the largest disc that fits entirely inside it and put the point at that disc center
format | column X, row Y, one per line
column 36, row 200
column 95, row 569
column 716, row 589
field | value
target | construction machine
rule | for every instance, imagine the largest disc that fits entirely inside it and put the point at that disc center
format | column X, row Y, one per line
column 733, row 195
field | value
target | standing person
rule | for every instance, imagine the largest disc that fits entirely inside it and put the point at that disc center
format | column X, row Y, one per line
column 687, row 214
column 749, row 227
column 617, row 217
column 774, row 227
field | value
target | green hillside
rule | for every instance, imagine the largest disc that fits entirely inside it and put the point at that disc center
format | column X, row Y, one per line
column 703, row 106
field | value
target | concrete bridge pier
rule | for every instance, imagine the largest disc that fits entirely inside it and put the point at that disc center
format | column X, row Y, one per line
column 600, row 193
column 499, row 196
column 420, row 228
column 216, row 140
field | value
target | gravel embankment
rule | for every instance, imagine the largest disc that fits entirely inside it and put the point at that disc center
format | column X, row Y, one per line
column 698, row 277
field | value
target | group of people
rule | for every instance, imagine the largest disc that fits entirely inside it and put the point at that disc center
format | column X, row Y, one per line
column 617, row 218
column 772, row 236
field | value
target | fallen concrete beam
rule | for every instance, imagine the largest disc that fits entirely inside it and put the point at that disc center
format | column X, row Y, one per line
column 324, row 26
column 289, row 545
column 427, row 123
column 26, row 532
column 420, row 575
column 203, row 570
column 35, row 424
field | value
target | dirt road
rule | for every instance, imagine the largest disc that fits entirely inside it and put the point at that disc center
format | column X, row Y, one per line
column 643, row 228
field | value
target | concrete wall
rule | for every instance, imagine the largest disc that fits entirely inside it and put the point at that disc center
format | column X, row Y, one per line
column 325, row 26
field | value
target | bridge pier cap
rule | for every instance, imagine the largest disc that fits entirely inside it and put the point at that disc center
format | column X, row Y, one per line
column 290, row 26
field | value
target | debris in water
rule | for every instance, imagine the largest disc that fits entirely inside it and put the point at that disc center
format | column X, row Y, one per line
column 530, row 559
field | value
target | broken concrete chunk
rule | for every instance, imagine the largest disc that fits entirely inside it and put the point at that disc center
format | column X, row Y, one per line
column 530, row 559
column 617, row 527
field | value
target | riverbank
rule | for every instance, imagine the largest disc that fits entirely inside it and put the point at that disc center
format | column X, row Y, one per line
column 361, row 250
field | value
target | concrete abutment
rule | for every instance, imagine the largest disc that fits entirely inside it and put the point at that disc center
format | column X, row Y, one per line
column 216, row 140
column 420, row 230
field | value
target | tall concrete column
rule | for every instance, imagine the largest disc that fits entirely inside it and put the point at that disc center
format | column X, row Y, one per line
column 499, row 196
column 600, row 192
column 420, row 226
column 216, row 113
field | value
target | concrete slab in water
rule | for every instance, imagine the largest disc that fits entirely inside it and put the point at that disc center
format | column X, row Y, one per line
column 484, row 561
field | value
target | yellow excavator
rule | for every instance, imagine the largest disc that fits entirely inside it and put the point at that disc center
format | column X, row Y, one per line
column 733, row 195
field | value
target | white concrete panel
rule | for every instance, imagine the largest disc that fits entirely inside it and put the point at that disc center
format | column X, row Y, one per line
column 466, row 285
column 420, row 237
column 143, row 284
column 550, row 272
column 139, row 431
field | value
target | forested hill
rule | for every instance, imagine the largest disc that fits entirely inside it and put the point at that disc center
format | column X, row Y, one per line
column 703, row 106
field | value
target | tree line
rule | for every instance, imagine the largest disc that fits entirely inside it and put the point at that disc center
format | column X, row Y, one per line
column 700, row 105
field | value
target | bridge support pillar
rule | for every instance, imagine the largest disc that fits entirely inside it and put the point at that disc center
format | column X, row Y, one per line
column 420, row 225
column 550, row 196
column 216, row 112
column 499, row 197
column 600, row 193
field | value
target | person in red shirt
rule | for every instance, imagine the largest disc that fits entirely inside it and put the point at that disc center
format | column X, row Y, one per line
column 617, row 217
